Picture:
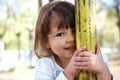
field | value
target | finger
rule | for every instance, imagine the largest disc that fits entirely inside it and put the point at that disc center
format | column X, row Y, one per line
column 81, row 64
column 86, row 54
column 86, row 68
column 79, row 50
column 81, row 59
column 98, row 50
column 82, row 49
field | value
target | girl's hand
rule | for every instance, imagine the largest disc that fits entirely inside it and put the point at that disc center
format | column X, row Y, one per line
column 73, row 69
column 86, row 60
column 94, row 63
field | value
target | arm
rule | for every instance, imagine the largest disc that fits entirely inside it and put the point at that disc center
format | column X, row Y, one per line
column 106, row 70
column 105, row 74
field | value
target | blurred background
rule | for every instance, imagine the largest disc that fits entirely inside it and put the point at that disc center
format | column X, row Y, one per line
column 17, row 24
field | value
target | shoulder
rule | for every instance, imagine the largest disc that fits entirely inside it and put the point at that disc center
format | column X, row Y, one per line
column 44, row 61
column 44, row 69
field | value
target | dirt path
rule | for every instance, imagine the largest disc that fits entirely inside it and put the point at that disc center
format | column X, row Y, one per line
column 28, row 74
column 19, row 74
column 114, row 66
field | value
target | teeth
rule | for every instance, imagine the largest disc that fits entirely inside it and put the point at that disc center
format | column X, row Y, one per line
column 70, row 48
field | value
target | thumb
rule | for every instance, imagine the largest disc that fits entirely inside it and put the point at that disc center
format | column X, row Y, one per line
column 98, row 50
column 79, row 50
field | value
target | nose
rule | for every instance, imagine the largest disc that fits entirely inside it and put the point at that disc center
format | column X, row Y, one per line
column 70, row 37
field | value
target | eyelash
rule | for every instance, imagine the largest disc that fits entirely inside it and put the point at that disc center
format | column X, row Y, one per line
column 60, row 34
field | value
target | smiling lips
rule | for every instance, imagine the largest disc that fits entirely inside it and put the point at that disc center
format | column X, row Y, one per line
column 70, row 48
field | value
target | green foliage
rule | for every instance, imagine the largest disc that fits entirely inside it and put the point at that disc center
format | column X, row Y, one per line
column 26, row 19
column 2, row 27
column 110, row 31
column 15, row 24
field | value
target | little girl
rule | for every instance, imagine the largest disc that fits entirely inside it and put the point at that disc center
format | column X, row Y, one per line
column 56, row 48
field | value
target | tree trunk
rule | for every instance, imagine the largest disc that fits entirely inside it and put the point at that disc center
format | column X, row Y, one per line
column 85, row 30
column 118, row 14
column 39, row 5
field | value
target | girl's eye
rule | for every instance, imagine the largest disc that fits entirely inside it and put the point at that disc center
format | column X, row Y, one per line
column 60, row 34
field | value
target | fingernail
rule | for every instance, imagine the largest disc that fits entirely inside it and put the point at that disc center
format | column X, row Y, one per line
column 91, row 51
column 84, row 47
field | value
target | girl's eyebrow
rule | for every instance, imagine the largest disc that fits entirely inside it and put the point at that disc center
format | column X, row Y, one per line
column 56, row 31
column 52, row 32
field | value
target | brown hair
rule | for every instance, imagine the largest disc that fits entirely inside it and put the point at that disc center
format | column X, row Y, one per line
column 65, row 10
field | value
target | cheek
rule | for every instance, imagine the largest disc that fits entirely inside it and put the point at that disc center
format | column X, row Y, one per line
column 57, row 46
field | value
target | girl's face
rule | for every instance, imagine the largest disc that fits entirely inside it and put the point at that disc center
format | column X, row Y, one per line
column 61, row 41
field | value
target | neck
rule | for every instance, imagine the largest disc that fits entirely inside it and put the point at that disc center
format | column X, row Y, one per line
column 61, row 62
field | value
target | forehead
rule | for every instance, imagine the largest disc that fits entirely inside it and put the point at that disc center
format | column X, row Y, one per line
column 58, row 21
column 54, row 21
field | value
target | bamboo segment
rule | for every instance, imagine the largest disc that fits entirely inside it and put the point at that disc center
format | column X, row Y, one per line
column 85, row 30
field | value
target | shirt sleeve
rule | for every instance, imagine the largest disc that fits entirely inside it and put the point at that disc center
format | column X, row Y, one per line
column 105, row 59
column 43, row 70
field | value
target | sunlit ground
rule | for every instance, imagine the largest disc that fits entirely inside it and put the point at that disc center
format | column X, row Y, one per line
column 114, row 66
column 23, row 73
column 18, row 74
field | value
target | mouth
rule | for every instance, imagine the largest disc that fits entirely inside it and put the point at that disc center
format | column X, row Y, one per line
column 70, row 48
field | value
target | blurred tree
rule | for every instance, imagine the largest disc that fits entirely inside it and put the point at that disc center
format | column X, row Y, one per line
column 31, row 30
column 118, row 16
column 3, row 28
column 18, row 16
column 39, row 5
column 19, row 44
column 101, row 16
column 108, row 35
column 4, row 23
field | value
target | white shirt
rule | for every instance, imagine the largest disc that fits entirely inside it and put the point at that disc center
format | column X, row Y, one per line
column 47, row 69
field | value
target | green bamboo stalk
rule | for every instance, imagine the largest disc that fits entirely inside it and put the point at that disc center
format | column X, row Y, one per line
column 85, row 30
